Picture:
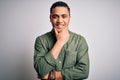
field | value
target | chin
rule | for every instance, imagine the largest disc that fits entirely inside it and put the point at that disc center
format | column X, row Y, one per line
column 59, row 30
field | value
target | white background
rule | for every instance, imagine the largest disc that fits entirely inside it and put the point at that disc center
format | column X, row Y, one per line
column 21, row 21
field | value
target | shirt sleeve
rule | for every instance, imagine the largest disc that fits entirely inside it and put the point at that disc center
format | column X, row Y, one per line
column 81, row 69
column 44, row 61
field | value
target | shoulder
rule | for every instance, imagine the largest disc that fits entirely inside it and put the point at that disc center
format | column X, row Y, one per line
column 78, row 39
column 44, row 36
column 76, row 36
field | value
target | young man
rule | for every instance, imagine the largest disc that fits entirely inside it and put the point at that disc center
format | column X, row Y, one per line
column 61, row 52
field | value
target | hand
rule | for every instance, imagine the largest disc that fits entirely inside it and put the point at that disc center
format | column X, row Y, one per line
column 62, row 36
column 58, row 75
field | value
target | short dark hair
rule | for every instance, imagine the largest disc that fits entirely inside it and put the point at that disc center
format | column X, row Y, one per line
column 59, row 4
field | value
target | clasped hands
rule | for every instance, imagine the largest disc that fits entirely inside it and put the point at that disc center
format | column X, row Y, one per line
column 58, row 76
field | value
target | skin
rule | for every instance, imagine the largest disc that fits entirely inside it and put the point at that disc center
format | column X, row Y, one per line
column 59, row 18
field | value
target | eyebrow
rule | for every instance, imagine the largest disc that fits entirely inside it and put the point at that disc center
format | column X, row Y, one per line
column 57, row 14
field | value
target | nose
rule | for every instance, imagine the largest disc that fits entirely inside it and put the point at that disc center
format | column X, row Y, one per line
column 59, row 19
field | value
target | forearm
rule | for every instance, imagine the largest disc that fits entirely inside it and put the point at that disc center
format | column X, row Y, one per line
column 57, row 48
column 62, row 38
column 44, row 64
column 74, row 74
column 78, row 71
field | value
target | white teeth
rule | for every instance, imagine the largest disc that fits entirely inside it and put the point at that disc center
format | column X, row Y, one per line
column 59, row 24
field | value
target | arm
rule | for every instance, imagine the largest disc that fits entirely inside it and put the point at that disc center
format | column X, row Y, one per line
column 62, row 37
column 44, row 61
column 81, row 69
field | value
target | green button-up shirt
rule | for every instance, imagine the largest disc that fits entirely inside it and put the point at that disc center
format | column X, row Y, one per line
column 73, row 60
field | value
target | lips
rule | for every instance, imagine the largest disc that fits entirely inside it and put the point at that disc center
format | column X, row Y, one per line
column 59, row 26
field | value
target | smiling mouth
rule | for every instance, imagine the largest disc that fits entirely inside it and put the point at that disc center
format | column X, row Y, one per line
column 59, row 26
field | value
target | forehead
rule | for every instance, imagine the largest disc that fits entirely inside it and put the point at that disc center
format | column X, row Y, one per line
column 60, row 10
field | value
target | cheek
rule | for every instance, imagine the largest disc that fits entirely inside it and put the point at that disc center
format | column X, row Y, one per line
column 52, row 21
column 67, row 21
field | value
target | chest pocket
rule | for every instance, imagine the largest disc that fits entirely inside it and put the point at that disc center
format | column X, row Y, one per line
column 70, row 59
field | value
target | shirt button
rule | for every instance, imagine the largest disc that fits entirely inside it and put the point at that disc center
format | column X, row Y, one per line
column 59, row 61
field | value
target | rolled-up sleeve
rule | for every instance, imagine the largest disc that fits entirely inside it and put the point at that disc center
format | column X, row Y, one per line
column 44, row 61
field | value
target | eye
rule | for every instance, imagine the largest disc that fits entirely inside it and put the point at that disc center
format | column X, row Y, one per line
column 54, row 16
column 64, row 16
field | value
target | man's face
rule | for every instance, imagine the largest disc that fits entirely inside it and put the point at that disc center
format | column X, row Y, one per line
column 60, row 18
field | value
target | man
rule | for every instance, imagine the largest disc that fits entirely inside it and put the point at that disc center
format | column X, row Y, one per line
column 61, row 51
